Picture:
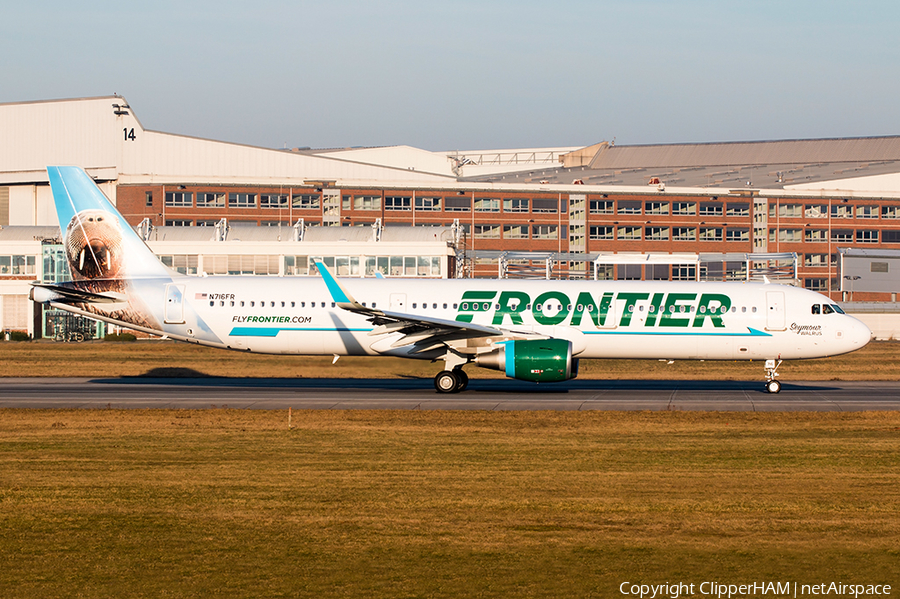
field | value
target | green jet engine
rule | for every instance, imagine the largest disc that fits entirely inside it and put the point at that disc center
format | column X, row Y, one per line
column 539, row 360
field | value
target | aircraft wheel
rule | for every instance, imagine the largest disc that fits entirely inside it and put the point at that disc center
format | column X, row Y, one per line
column 463, row 379
column 773, row 386
column 446, row 382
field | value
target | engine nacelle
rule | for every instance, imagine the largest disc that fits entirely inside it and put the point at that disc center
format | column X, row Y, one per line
column 539, row 360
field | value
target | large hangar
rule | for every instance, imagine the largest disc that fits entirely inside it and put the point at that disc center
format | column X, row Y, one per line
column 812, row 198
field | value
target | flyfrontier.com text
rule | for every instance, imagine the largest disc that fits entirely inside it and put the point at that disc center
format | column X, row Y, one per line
column 772, row 589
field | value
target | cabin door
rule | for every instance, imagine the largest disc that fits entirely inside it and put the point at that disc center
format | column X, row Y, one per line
column 775, row 310
column 174, row 304
column 398, row 302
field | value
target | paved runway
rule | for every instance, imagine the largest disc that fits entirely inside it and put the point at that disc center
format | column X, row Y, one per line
column 419, row 394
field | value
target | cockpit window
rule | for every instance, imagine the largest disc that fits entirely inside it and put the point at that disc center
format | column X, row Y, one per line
column 827, row 309
column 837, row 308
column 816, row 309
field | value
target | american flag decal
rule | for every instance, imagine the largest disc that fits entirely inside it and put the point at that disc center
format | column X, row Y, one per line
column 200, row 296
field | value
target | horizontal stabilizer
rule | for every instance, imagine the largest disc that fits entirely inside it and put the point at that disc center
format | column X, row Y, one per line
column 68, row 295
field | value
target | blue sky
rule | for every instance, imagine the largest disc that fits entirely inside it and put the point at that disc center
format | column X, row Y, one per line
column 468, row 74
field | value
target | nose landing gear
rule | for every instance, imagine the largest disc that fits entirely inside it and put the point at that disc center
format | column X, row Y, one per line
column 772, row 385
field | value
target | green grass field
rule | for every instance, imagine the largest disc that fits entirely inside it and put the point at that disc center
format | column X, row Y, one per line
column 227, row 503
column 878, row 361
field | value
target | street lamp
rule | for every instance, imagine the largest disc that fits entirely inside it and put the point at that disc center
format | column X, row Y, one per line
column 851, row 278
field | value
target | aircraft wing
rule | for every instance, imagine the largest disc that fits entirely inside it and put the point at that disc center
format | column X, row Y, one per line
column 423, row 331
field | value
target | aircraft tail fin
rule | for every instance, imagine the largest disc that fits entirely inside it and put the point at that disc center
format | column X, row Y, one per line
column 99, row 243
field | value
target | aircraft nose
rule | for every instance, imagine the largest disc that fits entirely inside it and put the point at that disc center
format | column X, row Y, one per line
column 858, row 334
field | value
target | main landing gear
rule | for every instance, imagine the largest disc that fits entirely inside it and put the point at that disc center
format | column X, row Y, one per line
column 772, row 385
column 451, row 381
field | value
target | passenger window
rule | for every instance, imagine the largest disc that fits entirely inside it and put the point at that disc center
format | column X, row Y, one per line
column 445, row 306
column 252, row 304
column 212, row 303
column 323, row 304
column 242, row 303
column 816, row 309
column 222, row 304
column 373, row 304
column 293, row 304
column 414, row 305
column 434, row 306
column 232, row 303
column 744, row 309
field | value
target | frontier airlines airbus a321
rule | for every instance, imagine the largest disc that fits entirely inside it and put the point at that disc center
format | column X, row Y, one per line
column 531, row 330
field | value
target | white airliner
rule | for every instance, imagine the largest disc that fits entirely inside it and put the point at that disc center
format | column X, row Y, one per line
column 531, row 330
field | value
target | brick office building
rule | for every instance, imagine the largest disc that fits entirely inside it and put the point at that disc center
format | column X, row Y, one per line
column 811, row 197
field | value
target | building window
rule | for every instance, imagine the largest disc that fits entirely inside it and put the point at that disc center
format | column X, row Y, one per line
column 268, row 200
column 601, row 207
column 786, row 210
column 890, row 212
column 18, row 265
column 242, row 200
column 148, row 198
column 737, row 234
column 179, row 223
column 737, row 209
column 428, row 204
column 305, row 201
column 657, row 272
column 815, row 260
column 629, row 207
column 890, row 236
column 710, row 234
column 544, row 232
column 656, row 207
column 184, row 263
column 458, row 204
column 516, row 205
column 815, row 211
column 842, row 236
column 241, row 265
column 545, row 205
column 866, row 236
column 815, row 236
column 209, row 199
column 684, row 208
column 515, row 232
column 841, row 211
column 487, row 205
column 789, row 235
column 628, row 272
column 657, row 234
column 629, row 233
column 684, row 272
column 820, row 285
column 710, row 209
column 867, row 212
column 180, row 199
column 684, row 234
column 600, row 233
column 486, row 231
column 397, row 203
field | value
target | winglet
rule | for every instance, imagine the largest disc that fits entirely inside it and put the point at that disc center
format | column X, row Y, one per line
column 340, row 295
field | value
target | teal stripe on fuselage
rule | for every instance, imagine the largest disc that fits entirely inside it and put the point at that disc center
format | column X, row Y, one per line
column 273, row 331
